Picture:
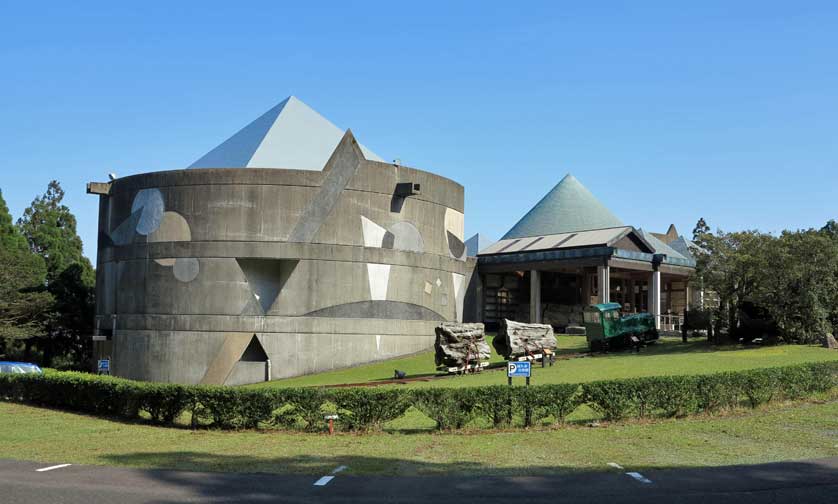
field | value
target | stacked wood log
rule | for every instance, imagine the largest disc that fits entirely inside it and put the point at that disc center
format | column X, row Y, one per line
column 517, row 339
column 457, row 344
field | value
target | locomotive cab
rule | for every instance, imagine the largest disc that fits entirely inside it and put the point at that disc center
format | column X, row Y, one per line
column 605, row 326
column 601, row 323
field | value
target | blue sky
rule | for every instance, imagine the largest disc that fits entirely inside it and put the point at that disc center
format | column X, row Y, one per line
column 666, row 112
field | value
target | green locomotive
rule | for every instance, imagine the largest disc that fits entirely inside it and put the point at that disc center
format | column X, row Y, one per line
column 606, row 328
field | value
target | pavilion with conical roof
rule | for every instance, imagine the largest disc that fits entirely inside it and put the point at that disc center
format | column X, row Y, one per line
column 569, row 251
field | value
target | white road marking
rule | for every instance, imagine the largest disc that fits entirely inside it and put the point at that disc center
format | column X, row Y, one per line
column 615, row 465
column 639, row 477
column 339, row 469
column 324, row 481
column 50, row 468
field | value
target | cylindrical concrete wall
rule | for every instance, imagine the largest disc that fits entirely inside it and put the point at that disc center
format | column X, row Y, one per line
column 204, row 272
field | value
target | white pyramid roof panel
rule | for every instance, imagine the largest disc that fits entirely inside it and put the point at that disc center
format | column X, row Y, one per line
column 290, row 135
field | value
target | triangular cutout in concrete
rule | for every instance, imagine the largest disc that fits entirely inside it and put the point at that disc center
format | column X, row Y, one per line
column 254, row 351
column 266, row 277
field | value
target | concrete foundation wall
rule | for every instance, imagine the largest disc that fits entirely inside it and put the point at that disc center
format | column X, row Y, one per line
column 328, row 269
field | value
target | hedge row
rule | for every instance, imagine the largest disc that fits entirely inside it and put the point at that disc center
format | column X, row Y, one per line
column 450, row 408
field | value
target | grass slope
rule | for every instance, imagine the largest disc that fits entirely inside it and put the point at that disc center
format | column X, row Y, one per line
column 667, row 357
column 781, row 432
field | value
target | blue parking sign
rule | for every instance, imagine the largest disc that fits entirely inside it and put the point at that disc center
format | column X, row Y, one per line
column 104, row 365
column 518, row 369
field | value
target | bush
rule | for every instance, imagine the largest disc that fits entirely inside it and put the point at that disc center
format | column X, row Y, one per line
column 362, row 409
column 757, row 385
column 304, row 407
column 450, row 408
column 538, row 403
column 716, row 391
column 164, row 402
column 673, row 395
column 613, row 399
column 495, row 403
column 230, row 408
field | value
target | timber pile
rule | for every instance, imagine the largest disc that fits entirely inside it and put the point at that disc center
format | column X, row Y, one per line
column 517, row 339
column 456, row 343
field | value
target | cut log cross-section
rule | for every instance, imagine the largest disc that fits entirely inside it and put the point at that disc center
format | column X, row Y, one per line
column 517, row 339
column 460, row 344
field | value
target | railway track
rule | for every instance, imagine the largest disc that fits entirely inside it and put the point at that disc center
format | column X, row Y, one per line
column 404, row 381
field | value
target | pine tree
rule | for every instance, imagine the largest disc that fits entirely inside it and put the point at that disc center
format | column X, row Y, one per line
column 50, row 231
column 24, row 302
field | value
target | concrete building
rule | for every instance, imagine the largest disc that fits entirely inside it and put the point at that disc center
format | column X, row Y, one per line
column 288, row 249
column 569, row 251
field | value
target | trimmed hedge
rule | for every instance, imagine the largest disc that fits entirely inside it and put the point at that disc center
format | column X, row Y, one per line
column 363, row 409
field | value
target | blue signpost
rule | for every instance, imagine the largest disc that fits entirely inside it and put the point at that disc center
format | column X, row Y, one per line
column 519, row 369
column 105, row 366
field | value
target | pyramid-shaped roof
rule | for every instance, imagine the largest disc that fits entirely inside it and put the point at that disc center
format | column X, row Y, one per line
column 568, row 207
column 661, row 247
column 290, row 135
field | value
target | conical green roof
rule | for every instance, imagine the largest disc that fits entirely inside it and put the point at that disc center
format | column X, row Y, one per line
column 567, row 208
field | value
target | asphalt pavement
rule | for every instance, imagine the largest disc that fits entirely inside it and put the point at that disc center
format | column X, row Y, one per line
column 808, row 481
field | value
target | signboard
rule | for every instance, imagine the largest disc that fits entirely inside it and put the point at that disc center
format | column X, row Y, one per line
column 104, row 365
column 518, row 369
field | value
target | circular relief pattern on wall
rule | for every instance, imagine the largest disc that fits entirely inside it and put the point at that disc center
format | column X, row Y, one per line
column 150, row 203
column 186, row 268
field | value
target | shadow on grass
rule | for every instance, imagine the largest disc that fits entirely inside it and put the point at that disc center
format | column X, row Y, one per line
column 672, row 346
column 397, row 478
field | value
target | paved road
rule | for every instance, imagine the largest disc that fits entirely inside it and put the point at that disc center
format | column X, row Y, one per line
column 814, row 481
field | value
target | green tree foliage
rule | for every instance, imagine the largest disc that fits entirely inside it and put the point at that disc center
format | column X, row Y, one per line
column 50, row 229
column 66, row 309
column 792, row 277
column 24, row 301
column 799, row 284
column 700, row 230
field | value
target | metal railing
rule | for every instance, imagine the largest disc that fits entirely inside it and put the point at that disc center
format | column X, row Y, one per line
column 670, row 322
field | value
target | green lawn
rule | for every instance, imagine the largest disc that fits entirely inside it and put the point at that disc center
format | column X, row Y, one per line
column 667, row 357
column 779, row 432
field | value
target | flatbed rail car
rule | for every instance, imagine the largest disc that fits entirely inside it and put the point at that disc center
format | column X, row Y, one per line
column 606, row 328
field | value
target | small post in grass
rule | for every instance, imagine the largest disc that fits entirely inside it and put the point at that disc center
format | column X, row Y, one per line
column 331, row 419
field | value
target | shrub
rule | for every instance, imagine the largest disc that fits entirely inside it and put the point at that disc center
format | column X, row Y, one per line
column 716, row 391
column 757, row 385
column 364, row 409
column 164, row 402
column 450, row 408
column 303, row 406
column 613, row 399
column 538, row 403
column 230, row 408
column 673, row 395
column 495, row 403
